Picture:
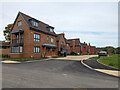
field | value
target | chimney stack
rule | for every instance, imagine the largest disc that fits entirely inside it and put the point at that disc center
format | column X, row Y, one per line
column 89, row 44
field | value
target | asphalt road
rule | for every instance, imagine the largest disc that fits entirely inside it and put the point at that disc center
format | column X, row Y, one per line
column 54, row 74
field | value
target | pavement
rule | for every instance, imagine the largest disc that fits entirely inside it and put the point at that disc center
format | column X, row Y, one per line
column 23, row 61
column 54, row 73
column 10, row 61
column 81, row 57
column 95, row 65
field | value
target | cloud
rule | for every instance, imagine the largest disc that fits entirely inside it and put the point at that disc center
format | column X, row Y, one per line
column 91, row 21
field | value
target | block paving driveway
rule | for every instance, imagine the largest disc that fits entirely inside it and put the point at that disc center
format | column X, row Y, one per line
column 54, row 73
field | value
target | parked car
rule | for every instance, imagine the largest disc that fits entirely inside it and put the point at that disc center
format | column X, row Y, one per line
column 102, row 53
column 74, row 53
column 62, row 53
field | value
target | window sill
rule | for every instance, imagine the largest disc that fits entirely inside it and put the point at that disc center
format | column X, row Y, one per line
column 16, row 53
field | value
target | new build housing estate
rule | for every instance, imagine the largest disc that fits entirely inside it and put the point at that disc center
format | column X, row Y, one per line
column 33, row 38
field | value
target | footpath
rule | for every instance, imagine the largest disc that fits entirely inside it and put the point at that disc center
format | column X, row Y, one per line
column 95, row 65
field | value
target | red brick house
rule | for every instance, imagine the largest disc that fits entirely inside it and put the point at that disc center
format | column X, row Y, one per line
column 92, row 49
column 63, row 44
column 74, row 45
column 32, row 38
column 5, row 47
column 84, row 48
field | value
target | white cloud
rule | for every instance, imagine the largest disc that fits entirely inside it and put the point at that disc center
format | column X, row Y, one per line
column 77, row 17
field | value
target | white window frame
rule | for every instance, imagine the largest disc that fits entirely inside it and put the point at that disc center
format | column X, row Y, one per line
column 36, row 37
column 14, row 49
column 47, row 38
column 19, row 23
column 21, row 49
column 51, row 30
column 36, row 49
column 52, row 40
column 35, row 24
column 67, row 45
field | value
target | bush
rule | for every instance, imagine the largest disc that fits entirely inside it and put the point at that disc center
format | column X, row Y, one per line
column 5, row 56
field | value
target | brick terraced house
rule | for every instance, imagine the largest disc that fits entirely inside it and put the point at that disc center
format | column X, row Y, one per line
column 63, row 44
column 84, row 49
column 75, row 46
column 32, row 38
column 92, row 49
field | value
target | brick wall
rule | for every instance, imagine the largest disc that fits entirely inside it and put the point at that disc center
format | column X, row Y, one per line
column 28, row 40
column 5, row 51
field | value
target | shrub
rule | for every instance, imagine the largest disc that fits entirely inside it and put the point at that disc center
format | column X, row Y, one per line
column 5, row 56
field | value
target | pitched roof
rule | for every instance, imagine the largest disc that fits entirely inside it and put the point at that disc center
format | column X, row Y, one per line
column 4, row 43
column 59, row 36
column 42, row 27
column 77, row 41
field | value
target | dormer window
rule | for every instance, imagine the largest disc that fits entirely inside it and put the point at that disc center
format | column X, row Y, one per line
column 35, row 24
column 51, row 30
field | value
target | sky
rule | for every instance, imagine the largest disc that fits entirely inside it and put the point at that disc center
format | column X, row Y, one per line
column 92, row 22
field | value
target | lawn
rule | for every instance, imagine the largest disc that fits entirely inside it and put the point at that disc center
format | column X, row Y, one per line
column 93, row 57
column 110, row 61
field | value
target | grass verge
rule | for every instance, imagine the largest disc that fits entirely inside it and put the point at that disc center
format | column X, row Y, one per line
column 110, row 61
column 93, row 57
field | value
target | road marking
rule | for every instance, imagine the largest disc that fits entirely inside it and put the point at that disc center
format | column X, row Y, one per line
column 86, row 64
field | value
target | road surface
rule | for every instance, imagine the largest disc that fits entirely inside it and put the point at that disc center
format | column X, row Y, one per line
column 54, row 74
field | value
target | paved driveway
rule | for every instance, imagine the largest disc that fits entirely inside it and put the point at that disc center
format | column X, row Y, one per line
column 81, row 57
column 54, row 74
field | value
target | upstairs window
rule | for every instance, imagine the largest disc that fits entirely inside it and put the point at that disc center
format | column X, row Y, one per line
column 19, row 23
column 67, row 45
column 51, row 30
column 52, row 40
column 35, row 24
column 47, row 38
column 36, row 37
column 62, row 43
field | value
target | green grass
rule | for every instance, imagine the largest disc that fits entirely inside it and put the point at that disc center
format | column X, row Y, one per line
column 93, row 57
column 110, row 61
column 24, row 58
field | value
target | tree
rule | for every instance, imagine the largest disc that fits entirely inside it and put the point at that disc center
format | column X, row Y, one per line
column 6, row 32
column 110, row 50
